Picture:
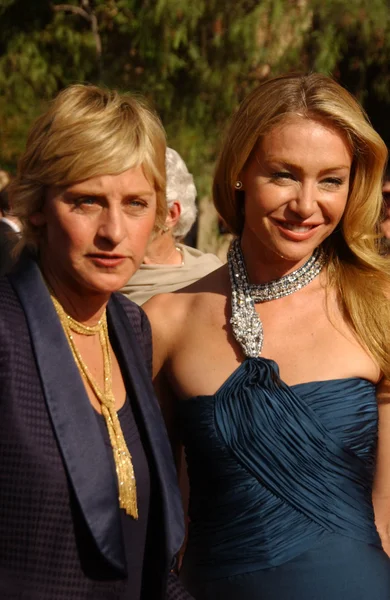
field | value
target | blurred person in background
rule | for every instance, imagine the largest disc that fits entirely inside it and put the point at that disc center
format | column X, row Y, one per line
column 385, row 226
column 9, row 233
column 169, row 264
column 4, row 179
column 89, row 502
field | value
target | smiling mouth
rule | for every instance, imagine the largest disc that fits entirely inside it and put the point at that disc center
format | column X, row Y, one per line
column 296, row 227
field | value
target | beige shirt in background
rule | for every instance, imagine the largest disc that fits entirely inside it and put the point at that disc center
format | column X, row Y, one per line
column 150, row 280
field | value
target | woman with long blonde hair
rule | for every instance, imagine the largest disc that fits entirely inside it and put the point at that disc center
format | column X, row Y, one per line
column 275, row 368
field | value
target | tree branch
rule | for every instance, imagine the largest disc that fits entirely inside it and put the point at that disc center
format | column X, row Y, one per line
column 96, row 35
column 87, row 14
column 76, row 10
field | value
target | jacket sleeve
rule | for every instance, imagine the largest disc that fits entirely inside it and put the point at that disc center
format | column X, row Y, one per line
column 148, row 343
column 140, row 325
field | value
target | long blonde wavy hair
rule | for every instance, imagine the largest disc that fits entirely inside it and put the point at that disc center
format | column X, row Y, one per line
column 356, row 268
column 86, row 132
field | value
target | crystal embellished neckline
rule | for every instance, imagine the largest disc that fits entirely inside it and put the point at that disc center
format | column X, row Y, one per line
column 246, row 324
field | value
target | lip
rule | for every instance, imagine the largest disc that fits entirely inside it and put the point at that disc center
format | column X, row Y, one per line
column 296, row 235
column 107, row 260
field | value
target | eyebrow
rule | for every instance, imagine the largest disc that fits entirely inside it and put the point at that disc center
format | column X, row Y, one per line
column 289, row 165
column 70, row 194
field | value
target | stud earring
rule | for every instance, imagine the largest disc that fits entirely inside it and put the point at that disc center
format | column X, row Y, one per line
column 238, row 185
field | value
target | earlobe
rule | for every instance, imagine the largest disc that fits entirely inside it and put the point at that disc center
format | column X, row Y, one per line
column 174, row 213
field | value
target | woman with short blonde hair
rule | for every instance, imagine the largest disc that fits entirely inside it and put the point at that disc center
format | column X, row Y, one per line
column 89, row 503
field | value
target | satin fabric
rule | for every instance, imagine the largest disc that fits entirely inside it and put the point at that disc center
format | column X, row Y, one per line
column 277, row 472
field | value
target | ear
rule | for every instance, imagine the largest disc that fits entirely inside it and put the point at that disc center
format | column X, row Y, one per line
column 173, row 217
column 37, row 219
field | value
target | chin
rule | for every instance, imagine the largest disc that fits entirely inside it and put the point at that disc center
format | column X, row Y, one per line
column 106, row 285
column 295, row 252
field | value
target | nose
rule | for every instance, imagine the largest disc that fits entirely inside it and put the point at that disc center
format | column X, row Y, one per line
column 112, row 225
column 304, row 201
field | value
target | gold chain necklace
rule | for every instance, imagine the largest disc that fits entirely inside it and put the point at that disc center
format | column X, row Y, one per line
column 122, row 456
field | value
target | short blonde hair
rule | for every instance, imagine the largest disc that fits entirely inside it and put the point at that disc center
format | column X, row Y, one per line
column 87, row 131
column 356, row 268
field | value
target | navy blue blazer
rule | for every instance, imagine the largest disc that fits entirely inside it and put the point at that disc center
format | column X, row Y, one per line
column 60, row 531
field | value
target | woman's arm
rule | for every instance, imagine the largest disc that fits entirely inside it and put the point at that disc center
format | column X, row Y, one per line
column 164, row 317
column 381, row 490
column 159, row 311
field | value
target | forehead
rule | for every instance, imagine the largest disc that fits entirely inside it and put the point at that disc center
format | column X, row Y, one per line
column 130, row 182
column 300, row 134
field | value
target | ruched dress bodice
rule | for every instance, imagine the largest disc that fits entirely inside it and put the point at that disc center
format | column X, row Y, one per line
column 278, row 473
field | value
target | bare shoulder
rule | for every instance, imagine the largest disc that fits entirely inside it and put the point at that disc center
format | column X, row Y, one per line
column 172, row 316
column 169, row 309
column 160, row 308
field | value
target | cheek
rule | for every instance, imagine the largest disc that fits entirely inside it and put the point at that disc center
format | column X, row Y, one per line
column 139, row 232
column 68, row 236
column 261, row 200
column 334, row 213
column 340, row 206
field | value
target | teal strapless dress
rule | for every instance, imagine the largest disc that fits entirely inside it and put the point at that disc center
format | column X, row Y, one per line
column 281, row 479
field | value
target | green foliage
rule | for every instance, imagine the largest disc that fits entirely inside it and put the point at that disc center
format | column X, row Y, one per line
column 194, row 60
column 355, row 33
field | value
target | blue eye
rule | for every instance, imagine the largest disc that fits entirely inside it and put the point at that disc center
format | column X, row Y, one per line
column 333, row 181
column 136, row 204
column 280, row 175
column 89, row 200
column 86, row 202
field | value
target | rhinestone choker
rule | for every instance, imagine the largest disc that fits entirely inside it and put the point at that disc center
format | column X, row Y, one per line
column 246, row 323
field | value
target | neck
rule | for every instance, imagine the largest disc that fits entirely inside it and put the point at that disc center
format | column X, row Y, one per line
column 86, row 309
column 246, row 323
column 265, row 265
column 162, row 251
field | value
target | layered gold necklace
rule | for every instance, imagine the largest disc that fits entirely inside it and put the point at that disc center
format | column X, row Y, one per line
column 122, row 457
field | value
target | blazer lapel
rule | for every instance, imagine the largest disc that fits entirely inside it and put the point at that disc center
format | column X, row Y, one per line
column 154, row 425
column 75, row 424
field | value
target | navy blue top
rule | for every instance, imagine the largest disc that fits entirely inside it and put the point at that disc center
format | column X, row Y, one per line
column 134, row 531
column 276, row 470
